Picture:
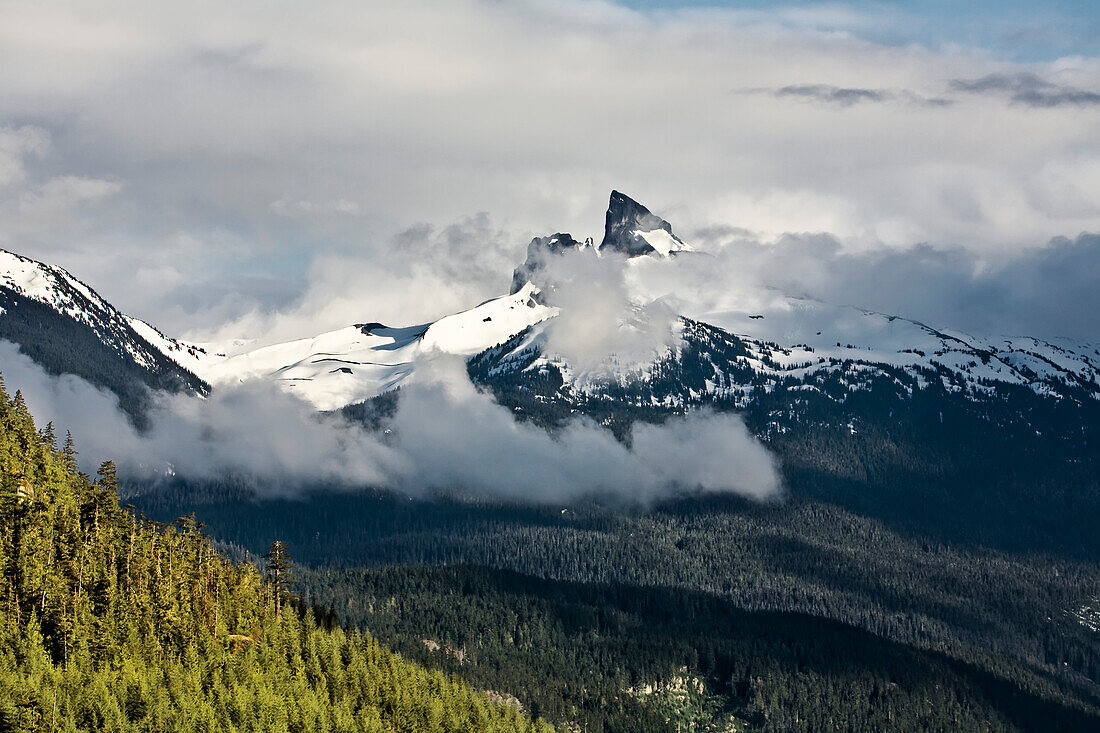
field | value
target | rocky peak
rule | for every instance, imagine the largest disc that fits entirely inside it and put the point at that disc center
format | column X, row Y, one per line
column 633, row 230
column 537, row 252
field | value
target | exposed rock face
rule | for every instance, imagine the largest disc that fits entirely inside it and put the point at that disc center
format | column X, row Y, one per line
column 630, row 229
column 633, row 230
column 537, row 251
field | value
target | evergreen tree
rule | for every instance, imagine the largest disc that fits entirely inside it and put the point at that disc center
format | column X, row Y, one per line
column 279, row 572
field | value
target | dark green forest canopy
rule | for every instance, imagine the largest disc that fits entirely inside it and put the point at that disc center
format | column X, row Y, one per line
column 603, row 653
column 111, row 622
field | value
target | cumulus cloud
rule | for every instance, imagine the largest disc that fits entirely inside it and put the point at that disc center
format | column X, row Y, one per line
column 446, row 434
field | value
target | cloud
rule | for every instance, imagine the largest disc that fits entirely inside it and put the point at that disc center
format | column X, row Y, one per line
column 252, row 148
column 1048, row 291
column 424, row 273
column 446, row 434
column 253, row 431
column 16, row 145
column 845, row 97
column 601, row 328
column 849, row 96
column 287, row 207
column 701, row 452
column 1028, row 89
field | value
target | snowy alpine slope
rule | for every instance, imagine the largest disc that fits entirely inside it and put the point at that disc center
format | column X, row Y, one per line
column 355, row 363
column 130, row 339
column 795, row 340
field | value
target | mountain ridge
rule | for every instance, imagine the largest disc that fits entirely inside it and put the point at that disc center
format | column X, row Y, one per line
column 733, row 355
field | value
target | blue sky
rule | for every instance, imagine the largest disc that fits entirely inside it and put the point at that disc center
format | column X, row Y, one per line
column 1017, row 30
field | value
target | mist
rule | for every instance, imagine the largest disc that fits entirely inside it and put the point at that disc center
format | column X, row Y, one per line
column 445, row 434
column 1047, row 292
column 601, row 329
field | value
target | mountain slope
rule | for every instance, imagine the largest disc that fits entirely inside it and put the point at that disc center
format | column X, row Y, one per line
column 113, row 623
column 67, row 327
column 358, row 362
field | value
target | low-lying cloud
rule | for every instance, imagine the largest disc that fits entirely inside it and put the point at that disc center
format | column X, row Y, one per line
column 446, row 434
column 601, row 328
column 700, row 452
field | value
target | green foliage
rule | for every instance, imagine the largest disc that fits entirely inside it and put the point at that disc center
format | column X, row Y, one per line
column 1009, row 614
column 111, row 622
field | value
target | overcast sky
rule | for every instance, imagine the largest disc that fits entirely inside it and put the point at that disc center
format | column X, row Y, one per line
column 279, row 168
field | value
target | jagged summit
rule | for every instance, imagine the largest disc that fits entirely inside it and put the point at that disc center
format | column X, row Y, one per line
column 537, row 250
column 630, row 229
column 633, row 230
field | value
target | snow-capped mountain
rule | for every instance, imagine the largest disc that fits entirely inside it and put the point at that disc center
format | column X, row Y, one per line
column 796, row 348
column 65, row 326
column 58, row 320
column 632, row 230
column 730, row 357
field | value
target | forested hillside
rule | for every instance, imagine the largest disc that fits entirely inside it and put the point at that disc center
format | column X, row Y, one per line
column 623, row 658
column 1009, row 615
column 110, row 622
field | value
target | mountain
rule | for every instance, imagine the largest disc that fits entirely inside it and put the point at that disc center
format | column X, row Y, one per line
column 777, row 349
column 808, row 346
column 632, row 230
column 66, row 327
column 538, row 251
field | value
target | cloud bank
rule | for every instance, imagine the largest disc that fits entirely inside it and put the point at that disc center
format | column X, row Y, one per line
column 1049, row 292
column 214, row 165
column 446, row 434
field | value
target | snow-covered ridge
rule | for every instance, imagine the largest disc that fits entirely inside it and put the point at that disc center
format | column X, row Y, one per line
column 355, row 363
column 191, row 357
column 59, row 290
column 800, row 341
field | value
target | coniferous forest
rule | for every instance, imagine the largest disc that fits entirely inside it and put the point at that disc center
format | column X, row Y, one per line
column 113, row 622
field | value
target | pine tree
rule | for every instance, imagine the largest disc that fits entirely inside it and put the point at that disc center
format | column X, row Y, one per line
column 280, row 573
